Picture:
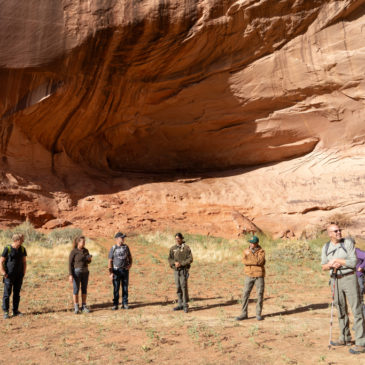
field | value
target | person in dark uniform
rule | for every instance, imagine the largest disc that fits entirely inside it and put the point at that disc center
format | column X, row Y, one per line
column 13, row 265
column 79, row 261
column 180, row 259
column 120, row 261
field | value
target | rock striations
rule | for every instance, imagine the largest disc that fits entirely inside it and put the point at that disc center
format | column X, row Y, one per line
column 205, row 115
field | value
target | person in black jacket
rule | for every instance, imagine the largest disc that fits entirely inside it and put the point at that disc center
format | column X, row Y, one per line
column 79, row 273
column 13, row 265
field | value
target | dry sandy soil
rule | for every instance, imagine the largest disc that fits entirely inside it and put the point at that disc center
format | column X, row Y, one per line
column 295, row 329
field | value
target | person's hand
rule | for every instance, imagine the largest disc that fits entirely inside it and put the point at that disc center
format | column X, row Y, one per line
column 334, row 264
column 111, row 276
column 360, row 269
column 247, row 252
column 70, row 278
column 5, row 275
column 177, row 264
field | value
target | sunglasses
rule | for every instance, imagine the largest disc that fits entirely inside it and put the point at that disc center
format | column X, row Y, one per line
column 337, row 230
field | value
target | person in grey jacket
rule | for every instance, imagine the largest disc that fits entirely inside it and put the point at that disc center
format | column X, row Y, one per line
column 339, row 257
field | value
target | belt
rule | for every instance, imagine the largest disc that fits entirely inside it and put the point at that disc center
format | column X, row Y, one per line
column 341, row 276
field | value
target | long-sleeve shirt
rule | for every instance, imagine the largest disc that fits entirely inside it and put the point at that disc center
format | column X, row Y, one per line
column 336, row 251
column 78, row 260
column 254, row 262
column 181, row 254
column 360, row 261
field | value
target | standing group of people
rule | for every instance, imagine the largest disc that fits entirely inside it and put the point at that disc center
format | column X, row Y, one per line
column 339, row 256
column 13, row 268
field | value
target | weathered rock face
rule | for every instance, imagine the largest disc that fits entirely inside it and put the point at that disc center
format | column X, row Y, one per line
column 185, row 87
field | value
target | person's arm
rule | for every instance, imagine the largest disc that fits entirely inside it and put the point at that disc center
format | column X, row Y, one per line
column 87, row 255
column 251, row 259
column 171, row 258
column 71, row 263
column 189, row 258
column 351, row 259
column 324, row 260
column 2, row 266
column 71, row 266
column 24, row 265
column 130, row 259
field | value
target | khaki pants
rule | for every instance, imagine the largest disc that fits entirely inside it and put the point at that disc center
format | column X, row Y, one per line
column 348, row 288
column 260, row 286
column 181, row 282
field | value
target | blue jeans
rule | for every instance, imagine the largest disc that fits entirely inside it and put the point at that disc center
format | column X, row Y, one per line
column 120, row 277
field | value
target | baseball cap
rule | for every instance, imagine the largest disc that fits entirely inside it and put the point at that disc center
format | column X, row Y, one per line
column 120, row 234
column 254, row 239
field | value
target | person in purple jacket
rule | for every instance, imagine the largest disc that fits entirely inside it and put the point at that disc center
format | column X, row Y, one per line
column 360, row 270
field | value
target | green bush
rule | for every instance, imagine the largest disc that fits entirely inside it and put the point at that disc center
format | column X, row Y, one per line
column 26, row 229
column 62, row 236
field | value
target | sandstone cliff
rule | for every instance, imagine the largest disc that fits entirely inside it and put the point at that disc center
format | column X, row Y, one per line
column 198, row 115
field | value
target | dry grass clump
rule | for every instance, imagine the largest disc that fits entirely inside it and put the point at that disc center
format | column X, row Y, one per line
column 204, row 248
column 295, row 250
column 341, row 219
column 59, row 253
column 54, row 247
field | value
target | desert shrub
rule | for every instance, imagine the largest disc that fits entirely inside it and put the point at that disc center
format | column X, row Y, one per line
column 294, row 251
column 342, row 220
column 62, row 236
column 27, row 229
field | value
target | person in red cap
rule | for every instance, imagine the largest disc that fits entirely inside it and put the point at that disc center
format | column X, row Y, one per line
column 120, row 261
column 254, row 261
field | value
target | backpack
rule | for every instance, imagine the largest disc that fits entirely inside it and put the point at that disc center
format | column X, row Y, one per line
column 127, row 260
column 9, row 259
column 328, row 245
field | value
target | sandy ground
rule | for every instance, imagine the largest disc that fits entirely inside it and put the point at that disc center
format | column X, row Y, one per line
column 295, row 329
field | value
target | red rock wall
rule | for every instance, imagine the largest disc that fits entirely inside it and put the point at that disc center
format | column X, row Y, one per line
column 182, row 87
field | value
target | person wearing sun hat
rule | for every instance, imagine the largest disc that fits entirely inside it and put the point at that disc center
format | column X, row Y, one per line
column 254, row 261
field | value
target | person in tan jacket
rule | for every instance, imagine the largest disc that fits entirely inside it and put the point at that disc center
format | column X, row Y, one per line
column 254, row 261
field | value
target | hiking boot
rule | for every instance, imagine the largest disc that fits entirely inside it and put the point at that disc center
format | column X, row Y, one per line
column 186, row 309
column 357, row 350
column 85, row 309
column 178, row 308
column 17, row 313
column 340, row 343
column 114, row 307
column 125, row 306
column 259, row 318
column 241, row 317
column 76, row 311
column 6, row 315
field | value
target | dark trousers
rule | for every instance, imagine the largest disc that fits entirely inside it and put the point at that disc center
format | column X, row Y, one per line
column 12, row 284
column 120, row 277
column 80, row 278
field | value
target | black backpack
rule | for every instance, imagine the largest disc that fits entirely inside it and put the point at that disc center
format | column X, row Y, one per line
column 11, row 260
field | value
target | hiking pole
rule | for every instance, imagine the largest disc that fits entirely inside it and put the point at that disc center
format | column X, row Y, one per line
column 333, row 299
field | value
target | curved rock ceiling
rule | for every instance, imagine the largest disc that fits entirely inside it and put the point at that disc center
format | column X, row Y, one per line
column 157, row 86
